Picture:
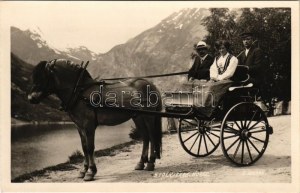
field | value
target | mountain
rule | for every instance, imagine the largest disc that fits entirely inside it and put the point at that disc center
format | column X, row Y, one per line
column 31, row 46
column 165, row 48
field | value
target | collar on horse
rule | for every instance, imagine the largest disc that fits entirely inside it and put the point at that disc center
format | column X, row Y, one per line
column 78, row 87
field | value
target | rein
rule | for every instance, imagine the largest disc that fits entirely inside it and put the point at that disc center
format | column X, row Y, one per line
column 124, row 78
column 75, row 94
column 150, row 76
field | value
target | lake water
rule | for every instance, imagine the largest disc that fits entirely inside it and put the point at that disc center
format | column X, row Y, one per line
column 35, row 147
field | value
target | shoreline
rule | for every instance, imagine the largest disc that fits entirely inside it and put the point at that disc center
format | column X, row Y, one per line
column 66, row 166
column 17, row 122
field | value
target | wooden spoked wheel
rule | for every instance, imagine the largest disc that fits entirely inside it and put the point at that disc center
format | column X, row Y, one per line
column 198, row 138
column 244, row 134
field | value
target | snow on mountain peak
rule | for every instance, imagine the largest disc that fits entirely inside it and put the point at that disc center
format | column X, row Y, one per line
column 37, row 35
column 37, row 30
column 177, row 16
column 183, row 16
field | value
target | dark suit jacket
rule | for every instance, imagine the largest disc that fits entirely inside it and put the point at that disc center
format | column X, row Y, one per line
column 254, row 60
column 201, row 70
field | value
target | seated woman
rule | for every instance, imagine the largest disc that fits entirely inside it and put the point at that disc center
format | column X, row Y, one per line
column 224, row 64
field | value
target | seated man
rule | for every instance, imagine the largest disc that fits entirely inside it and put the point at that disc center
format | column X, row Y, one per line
column 201, row 62
column 252, row 57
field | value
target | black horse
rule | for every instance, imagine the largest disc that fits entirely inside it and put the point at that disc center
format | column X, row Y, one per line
column 91, row 103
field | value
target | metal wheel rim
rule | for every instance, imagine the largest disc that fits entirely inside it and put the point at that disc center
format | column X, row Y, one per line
column 242, row 140
column 200, row 142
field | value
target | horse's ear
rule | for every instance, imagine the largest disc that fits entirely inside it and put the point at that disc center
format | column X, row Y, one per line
column 50, row 66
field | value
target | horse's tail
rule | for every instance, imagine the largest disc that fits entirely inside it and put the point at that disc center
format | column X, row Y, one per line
column 158, row 134
column 158, row 137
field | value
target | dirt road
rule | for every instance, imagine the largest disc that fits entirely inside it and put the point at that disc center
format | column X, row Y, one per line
column 177, row 166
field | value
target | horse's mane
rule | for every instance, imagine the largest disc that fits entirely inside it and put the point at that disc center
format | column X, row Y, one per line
column 73, row 66
column 67, row 64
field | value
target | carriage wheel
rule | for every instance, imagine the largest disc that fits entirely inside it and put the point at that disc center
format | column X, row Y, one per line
column 197, row 138
column 244, row 134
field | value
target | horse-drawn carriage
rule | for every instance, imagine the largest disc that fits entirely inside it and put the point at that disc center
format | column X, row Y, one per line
column 232, row 119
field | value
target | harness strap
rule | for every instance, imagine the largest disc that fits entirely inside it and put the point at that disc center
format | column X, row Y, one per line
column 74, row 95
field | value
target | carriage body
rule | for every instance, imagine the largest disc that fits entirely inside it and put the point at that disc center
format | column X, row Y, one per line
column 235, row 121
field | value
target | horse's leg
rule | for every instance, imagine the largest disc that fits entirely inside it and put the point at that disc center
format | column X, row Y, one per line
column 150, row 124
column 90, row 138
column 139, row 123
column 144, row 157
column 151, row 164
column 85, row 167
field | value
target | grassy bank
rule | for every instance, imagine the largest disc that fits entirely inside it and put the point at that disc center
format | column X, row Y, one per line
column 74, row 159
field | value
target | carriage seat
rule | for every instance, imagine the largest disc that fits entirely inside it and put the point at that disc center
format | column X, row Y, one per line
column 241, row 78
column 241, row 74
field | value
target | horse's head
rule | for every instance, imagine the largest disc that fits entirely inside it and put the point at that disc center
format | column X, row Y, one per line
column 56, row 76
column 42, row 82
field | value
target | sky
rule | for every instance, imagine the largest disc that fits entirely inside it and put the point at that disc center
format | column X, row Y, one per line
column 97, row 25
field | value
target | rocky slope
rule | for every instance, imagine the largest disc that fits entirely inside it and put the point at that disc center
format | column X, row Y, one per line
column 165, row 48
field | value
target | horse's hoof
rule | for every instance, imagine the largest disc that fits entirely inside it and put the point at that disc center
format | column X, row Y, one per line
column 139, row 166
column 83, row 171
column 89, row 177
column 81, row 174
column 150, row 167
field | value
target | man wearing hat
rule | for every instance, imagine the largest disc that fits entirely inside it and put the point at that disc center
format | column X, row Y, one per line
column 252, row 57
column 201, row 62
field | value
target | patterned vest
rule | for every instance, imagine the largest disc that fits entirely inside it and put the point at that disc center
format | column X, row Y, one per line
column 220, row 71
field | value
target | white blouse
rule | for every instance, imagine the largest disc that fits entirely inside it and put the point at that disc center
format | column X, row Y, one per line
column 214, row 73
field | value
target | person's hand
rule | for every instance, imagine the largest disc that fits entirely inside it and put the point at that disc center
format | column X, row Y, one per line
column 213, row 80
